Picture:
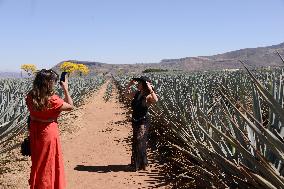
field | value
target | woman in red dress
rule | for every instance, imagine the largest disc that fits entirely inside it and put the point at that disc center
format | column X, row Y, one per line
column 47, row 170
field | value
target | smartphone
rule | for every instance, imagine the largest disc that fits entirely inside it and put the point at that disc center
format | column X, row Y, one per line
column 62, row 77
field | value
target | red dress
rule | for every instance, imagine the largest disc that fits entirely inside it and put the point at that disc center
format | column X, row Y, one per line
column 47, row 170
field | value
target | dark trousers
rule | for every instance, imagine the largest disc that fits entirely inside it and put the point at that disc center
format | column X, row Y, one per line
column 139, row 145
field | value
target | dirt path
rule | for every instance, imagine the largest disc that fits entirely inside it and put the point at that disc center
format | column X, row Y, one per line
column 97, row 156
column 95, row 140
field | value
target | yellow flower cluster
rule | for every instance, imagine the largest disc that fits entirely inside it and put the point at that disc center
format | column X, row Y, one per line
column 29, row 68
column 83, row 69
column 71, row 67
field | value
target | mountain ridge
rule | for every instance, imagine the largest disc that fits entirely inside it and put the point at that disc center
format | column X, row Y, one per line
column 254, row 57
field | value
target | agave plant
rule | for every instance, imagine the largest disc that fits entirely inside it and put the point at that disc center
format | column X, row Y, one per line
column 220, row 129
column 13, row 110
column 108, row 92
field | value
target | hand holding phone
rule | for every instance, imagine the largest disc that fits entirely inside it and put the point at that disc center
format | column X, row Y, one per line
column 62, row 77
column 63, row 81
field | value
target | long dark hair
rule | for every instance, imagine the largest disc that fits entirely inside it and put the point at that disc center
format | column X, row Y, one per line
column 42, row 89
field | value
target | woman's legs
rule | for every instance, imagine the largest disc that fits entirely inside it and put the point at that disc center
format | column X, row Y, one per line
column 139, row 146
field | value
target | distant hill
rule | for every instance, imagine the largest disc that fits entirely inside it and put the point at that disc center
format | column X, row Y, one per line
column 12, row 75
column 255, row 57
column 99, row 68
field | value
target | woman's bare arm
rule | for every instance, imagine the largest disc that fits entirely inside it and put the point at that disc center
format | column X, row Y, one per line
column 152, row 97
column 68, row 102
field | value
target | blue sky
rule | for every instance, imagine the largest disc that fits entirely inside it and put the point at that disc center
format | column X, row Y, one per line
column 45, row 32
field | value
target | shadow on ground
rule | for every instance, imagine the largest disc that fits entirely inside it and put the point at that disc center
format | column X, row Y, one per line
column 155, row 180
column 104, row 169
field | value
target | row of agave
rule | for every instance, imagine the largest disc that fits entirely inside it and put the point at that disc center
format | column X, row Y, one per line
column 108, row 93
column 13, row 112
column 220, row 129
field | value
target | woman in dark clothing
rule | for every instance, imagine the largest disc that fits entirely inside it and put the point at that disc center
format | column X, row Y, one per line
column 141, row 100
